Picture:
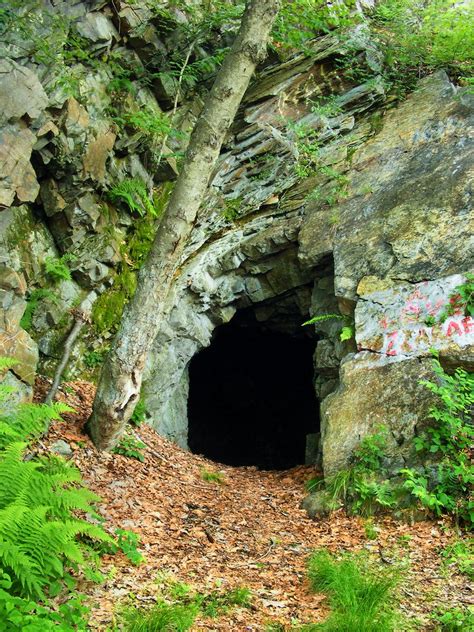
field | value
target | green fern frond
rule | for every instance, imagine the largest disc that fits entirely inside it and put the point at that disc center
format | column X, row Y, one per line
column 29, row 421
column 39, row 532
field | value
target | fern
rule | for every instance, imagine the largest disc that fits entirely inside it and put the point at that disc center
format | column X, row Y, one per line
column 27, row 421
column 133, row 192
column 40, row 534
column 37, row 526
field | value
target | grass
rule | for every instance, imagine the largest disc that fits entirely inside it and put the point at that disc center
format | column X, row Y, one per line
column 212, row 477
column 163, row 617
column 178, row 607
column 360, row 594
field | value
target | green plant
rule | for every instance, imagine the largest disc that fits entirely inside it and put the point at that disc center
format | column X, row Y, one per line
column 212, row 477
column 363, row 486
column 213, row 604
column 153, row 124
column 313, row 483
column 19, row 614
column 371, row 532
column 347, row 332
column 93, row 359
column 326, row 107
column 133, row 192
column 139, row 414
column 130, row 446
column 128, row 542
column 32, row 304
column 453, row 619
column 360, row 593
column 41, row 537
column 418, row 37
column 460, row 555
column 300, row 21
column 444, row 487
column 232, row 209
column 461, row 300
column 39, row 530
column 178, row 608
column 162, row 617
column 57, row 268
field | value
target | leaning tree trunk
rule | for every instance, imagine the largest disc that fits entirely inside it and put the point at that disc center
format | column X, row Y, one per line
column 120, row 380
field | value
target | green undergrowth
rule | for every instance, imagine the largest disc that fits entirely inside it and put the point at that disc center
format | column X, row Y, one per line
column 459, row 556
column 453, row 619
column 212, row 477
column 178, row 605
column 130, row 446
column 442, row 485
column 360, row 592
column 419, row 37
column 43, row 542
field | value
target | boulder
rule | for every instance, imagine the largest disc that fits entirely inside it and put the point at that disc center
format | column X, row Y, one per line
column 370, row 396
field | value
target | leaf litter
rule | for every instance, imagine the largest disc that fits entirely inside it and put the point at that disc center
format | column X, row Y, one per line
column 244, row 529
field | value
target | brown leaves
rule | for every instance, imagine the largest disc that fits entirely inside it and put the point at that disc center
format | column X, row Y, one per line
column 249, row 532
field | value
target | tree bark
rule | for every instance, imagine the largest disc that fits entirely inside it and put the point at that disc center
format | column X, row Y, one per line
column 120, row 380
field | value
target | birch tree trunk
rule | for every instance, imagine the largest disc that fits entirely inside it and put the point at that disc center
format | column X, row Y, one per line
column 120, row 380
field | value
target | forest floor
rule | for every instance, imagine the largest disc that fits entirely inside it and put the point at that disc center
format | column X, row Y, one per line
column 248, row 530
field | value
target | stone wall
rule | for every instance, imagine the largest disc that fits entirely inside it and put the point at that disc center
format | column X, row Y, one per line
column 375, row 224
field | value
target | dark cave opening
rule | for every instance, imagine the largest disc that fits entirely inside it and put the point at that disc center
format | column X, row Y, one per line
column 251, row 396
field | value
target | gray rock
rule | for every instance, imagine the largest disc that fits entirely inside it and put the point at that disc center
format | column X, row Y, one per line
column 21, row 93
column 17, row 176
column 97, row 28
column 62, row 448
column 317, row 505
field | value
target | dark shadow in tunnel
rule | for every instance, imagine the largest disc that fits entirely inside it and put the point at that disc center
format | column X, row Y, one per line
column 251, row 396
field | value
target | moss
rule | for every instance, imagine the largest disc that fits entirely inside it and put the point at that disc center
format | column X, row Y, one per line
column 108, row 308
column 139, row 244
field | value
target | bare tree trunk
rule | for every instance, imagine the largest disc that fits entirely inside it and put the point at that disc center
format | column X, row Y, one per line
column 120, row 380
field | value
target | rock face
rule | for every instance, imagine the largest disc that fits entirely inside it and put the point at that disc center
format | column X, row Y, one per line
column 405, row 206
column 360, row 209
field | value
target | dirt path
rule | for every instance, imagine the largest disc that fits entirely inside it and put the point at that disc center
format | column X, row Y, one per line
column 248, row 531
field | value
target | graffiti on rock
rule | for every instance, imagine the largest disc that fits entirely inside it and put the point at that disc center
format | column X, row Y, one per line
column 409, row 321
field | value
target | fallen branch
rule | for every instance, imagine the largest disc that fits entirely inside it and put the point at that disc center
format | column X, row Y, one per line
column 80, row 319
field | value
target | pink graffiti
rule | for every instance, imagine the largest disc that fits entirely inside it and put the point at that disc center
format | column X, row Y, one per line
column 453, row 327
column 403, row 341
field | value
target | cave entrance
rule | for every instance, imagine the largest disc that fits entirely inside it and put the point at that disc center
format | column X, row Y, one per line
column 251, row 395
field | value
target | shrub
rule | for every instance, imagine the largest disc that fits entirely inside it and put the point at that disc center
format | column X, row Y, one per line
column 130, row 446
column 360, row 593
column 128, row 542
column 418, row 37
column 363, row 486
column 445, row 486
